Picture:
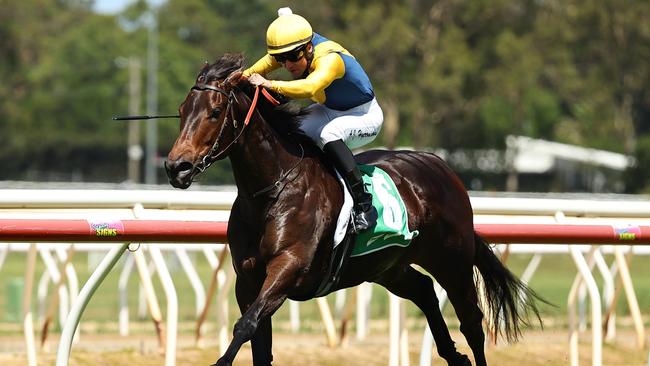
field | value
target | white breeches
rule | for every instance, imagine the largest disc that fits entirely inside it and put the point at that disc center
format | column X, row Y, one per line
column 356, row 126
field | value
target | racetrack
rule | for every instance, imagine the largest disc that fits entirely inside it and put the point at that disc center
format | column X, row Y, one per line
column 537, row 348
column 100, row 343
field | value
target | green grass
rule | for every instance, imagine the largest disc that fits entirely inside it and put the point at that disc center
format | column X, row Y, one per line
column 552, row 281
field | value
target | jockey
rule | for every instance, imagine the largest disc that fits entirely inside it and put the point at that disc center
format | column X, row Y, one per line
column 346, row 114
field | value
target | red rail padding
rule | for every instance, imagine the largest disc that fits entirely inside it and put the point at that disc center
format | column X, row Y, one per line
column 564, row 234
column 136, row 231
column 170, row 231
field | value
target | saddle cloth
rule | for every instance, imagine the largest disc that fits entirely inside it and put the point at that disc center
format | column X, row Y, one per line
column 392, row 224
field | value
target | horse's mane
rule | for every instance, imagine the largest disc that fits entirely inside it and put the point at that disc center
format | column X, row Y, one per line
column 221, row 68
column 285, row 118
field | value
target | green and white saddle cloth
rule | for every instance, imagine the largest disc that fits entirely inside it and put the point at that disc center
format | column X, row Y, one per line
column 392, row 224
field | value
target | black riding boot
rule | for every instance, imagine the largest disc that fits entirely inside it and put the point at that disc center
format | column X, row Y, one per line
column 365, row 215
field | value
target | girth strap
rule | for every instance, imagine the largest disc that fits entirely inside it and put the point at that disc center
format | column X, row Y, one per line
column 338, row 261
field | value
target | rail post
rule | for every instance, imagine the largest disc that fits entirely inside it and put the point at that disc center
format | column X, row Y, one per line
column 72, row 321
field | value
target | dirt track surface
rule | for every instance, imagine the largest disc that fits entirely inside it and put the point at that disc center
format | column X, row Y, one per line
column 547, row 348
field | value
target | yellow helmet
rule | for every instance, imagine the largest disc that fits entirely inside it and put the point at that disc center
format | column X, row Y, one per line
column 287, row 32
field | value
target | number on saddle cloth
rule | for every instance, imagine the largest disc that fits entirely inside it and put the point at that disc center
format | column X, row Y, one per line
column 392, row 223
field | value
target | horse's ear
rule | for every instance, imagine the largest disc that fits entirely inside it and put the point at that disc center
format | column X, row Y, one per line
column 234, row 78
column 204, row 66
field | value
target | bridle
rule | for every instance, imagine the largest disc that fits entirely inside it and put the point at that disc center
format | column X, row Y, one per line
column 214, row 155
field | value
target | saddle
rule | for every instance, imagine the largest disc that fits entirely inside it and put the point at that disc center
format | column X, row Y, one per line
column 391, row 228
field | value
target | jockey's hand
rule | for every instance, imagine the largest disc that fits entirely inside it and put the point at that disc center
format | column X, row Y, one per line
column 259, row 80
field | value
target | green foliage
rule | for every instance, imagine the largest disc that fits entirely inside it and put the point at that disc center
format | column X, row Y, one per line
column 638, row 178
column 448, row 73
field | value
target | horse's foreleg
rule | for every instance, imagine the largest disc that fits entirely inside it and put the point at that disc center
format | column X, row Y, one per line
column 281, row 275
column 246, row 328
column 261, row 343
column 262, row 339
column 410, row 284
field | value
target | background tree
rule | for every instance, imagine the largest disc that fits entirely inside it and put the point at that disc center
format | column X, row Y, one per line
column 448, row 73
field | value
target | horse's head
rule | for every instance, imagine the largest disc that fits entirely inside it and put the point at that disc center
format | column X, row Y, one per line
column 208, row 126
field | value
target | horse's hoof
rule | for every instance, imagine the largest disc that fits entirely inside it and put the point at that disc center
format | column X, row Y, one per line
column 222, row 362
column 461, row 360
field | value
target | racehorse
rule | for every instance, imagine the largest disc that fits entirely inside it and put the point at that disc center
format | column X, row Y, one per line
column 280, row 230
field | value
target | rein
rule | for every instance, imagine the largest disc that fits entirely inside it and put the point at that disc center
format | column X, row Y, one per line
column 213, row 155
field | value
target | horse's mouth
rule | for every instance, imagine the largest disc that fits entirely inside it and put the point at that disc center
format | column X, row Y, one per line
column 182, row 176
column 180, row 183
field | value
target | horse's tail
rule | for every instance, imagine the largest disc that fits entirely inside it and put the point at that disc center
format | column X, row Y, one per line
column 509, row 300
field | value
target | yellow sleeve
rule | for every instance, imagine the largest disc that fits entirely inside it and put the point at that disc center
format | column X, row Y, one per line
column 326, row 69
column 263, row 66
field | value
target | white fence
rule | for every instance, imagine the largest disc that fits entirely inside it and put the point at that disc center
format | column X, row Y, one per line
column 214, row 206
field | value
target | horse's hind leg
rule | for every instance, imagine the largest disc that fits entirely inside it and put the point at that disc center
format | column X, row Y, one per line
column 459, row 284
column 410, row 284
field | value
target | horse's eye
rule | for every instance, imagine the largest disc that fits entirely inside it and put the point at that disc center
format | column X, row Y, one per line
column 215, row 113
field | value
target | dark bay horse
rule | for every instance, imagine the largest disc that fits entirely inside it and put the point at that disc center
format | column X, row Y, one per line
column 282, row 222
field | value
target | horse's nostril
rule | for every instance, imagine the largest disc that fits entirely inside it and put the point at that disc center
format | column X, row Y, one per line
column 175, row 167
column 180, row 173
column 184, row 166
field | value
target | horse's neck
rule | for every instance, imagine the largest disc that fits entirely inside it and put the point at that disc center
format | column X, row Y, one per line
column 262, row 157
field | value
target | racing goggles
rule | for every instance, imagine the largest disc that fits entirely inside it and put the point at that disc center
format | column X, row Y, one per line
column 293, row 55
